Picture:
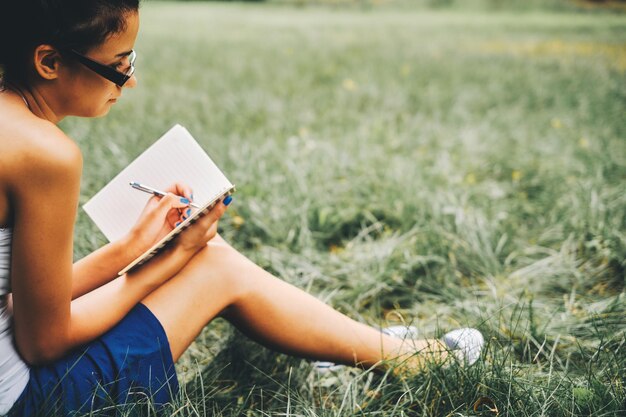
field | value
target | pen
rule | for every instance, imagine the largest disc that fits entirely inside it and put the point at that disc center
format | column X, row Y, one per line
column 154, row 191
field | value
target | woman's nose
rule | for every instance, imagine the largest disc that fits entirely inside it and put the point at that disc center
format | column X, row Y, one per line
column 131, row 83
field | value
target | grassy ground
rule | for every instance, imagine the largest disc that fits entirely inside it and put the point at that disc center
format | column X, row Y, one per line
column 439, row 168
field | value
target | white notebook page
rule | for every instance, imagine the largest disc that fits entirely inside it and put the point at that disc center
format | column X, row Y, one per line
column 175, row 157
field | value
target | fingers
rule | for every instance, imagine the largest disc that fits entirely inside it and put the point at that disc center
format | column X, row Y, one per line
column 185, row 191
column 181, row 189
column 214, row 214
column 218, row 210
column 182, row 215
column 204, row 229
column 169, row 202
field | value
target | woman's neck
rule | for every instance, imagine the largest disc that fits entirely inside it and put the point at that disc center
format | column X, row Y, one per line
column 8, row 86
column 34, row 101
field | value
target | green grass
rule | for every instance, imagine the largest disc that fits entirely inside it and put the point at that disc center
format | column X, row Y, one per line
column 441, row 168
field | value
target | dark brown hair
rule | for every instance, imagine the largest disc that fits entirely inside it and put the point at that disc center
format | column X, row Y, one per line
column 76, row 24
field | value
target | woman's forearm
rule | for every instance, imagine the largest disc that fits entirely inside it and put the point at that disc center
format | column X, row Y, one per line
column 99, row 310
column 101, row 266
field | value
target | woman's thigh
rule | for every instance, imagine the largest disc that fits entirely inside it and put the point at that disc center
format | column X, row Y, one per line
column 212, row 280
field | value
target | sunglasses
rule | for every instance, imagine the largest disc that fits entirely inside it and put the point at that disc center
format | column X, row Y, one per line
column 106, row 71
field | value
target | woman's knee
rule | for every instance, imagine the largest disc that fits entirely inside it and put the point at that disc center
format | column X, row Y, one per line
column 221, row 266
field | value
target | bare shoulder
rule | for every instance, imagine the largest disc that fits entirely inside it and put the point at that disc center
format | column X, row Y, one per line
column 38, row 148
column 36, row 157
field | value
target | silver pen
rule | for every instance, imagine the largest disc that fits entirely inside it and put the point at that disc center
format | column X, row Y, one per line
column 154, row 191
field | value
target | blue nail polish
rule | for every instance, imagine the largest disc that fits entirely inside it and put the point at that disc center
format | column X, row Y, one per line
column 191, row 196
column 177, row 224
column 184, row 200
column 227, row 200
column 188, row 212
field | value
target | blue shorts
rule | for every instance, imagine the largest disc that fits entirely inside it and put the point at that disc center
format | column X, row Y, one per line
column 130, row 362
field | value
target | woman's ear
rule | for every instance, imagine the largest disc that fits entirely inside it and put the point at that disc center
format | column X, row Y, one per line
column 47, row 61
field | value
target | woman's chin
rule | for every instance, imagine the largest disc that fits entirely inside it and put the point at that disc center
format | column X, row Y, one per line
column 104, row 110
column 94, row 113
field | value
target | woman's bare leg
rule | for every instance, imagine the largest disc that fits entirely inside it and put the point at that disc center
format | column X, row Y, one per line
column 221, row 281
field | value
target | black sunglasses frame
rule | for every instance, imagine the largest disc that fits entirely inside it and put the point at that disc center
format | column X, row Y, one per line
column 111, row 74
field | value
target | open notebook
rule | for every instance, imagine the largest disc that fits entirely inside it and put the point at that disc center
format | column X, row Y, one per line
column 175, row 157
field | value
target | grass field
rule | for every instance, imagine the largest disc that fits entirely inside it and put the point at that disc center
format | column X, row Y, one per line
column 438, row 168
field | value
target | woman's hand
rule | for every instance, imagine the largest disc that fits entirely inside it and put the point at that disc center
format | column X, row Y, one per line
column 196, row 236
column 158, row 218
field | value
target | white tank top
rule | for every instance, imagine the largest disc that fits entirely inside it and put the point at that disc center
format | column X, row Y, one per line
column 13, row 371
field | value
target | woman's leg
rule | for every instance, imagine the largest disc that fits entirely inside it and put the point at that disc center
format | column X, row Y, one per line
column 221, row 281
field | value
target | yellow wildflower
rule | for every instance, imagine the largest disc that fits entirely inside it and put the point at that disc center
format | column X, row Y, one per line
column 405, row 70
column 583, row 143
column 350, row 85
column 238, row 221
column 335, row 249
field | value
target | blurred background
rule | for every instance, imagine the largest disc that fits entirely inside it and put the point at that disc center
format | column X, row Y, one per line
column 437, row 163
column 576, row 5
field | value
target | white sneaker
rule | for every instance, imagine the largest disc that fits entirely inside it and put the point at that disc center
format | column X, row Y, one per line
column 326, row 367
column 401, row 332
column 466, row 344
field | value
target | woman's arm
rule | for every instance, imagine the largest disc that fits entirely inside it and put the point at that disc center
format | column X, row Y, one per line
column 44, row 194
column 94, row 313
column 102, row 265
column 44, row 190
column 97, row 311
